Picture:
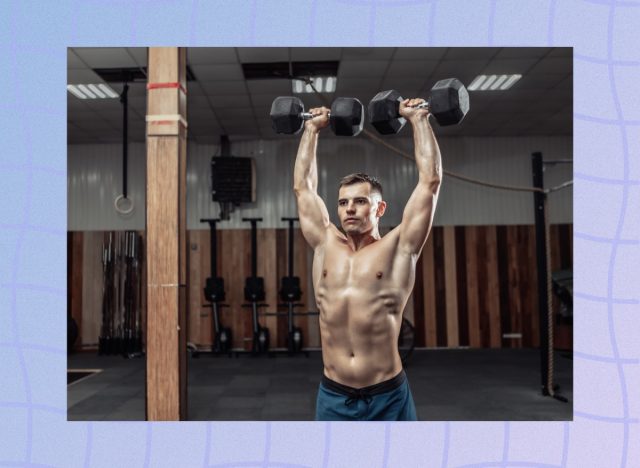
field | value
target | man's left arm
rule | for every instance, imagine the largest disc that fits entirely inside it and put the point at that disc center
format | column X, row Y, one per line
column 418, row 213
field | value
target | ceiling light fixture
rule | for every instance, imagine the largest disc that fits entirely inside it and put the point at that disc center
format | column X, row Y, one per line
column 84, row 90
column 323, row 84
column 487, row 82
column 510, row 82
column 76, row 92
column 493, row 82
column 92, row 91
column 108, row 91
column 498, row 82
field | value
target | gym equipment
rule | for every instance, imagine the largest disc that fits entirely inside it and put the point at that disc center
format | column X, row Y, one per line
column 121, row 329
column 448, row 103
column 290, row 292
column 132, row 330
column 214, row 293
column 119, row 206
column 106, row 330
column 562, row 281
column 549, row 387
column 254, row 293
column 346, row 117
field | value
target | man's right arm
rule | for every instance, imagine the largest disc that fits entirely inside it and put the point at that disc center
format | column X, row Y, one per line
column 313, row 214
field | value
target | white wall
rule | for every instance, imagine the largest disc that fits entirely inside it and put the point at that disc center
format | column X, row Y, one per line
column 95, row 180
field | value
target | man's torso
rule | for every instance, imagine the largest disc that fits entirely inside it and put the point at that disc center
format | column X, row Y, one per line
column 361, row 295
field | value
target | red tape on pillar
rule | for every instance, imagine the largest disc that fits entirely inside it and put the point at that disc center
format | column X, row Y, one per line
column 166, row 85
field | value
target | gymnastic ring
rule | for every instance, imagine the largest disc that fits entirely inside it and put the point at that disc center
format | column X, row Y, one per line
column 120, row 210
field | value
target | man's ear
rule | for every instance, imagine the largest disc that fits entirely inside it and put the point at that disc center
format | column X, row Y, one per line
column 382, row 206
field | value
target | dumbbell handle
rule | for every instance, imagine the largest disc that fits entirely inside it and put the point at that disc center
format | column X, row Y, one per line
column 309, row 115
column 424, row 105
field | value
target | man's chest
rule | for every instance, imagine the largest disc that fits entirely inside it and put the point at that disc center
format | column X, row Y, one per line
column 373, row 265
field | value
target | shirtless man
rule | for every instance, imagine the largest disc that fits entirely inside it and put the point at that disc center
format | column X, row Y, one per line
column 362, row 281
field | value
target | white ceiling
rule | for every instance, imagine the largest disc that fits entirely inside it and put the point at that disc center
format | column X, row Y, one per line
column 221, row 101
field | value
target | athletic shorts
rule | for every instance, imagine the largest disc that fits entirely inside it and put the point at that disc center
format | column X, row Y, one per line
column 389, row 400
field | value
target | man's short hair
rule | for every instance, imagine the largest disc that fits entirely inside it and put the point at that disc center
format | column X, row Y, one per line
column 359, row 177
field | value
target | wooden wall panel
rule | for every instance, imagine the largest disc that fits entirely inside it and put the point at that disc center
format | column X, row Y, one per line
column 469, row 251
column 535, row 316
column 502, row 249
column 492, row 298
column 302, row 268
column 91, row 286
column 473, row 298
column 199, row 320
column 496, row 285
column 267, row 262
column 515, row 286
column 440, row 287
column 427, row 319
column 451, row 283
column 417, row 300
column 461, row 285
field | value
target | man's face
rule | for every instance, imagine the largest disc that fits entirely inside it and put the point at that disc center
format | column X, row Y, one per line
column 358, row 208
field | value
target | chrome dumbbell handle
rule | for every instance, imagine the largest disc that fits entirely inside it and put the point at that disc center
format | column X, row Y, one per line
column 309, row 115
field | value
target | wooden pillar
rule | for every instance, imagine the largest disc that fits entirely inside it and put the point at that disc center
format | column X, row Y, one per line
column 166, row 234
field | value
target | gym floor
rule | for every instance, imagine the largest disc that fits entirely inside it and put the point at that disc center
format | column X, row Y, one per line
column 451, row 385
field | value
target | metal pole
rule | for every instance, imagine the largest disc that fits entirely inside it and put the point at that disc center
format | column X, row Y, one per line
column 291, row 223
column 254, row 248
column 125, row 142
column 541, row 261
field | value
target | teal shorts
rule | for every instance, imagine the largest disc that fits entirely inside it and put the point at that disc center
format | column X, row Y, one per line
column 390, row 400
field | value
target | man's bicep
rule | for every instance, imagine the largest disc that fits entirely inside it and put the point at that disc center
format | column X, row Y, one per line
column 314, row 217
column 418, row 217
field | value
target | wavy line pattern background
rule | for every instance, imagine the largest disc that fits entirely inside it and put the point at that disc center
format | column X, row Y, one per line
column 33, row 37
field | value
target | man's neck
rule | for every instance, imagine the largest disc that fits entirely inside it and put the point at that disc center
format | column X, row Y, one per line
column 359, row 241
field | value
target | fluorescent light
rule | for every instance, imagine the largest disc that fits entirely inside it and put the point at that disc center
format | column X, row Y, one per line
column 76, row 92
column 92, row 91
column 331, row 84
column 510, row 82
column 107, row 90
column 323, row 84
column 487, row 83
column 493, row 82
column 498, row 82
column 475, row 84
column 87, row 92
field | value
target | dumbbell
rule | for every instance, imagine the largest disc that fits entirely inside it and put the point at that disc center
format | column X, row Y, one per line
column 448, row 103
column 346, row 116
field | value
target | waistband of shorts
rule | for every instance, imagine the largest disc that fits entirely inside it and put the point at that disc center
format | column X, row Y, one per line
column 375, row 389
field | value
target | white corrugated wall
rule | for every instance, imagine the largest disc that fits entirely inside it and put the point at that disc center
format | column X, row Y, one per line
column 95, row 180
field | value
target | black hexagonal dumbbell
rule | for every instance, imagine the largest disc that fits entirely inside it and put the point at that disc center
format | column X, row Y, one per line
column 346, row 116
column 448, row 103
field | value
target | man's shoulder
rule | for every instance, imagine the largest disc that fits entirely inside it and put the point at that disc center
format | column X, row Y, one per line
column 334, row 236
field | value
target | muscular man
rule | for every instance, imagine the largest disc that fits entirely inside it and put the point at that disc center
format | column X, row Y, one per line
column 362, row 281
